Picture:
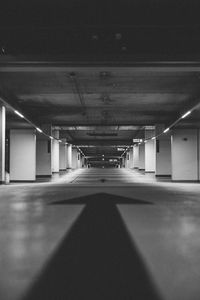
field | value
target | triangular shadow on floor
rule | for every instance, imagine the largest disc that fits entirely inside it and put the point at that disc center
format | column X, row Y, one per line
column 95, row 261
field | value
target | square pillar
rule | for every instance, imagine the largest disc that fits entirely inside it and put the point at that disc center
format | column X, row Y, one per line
column 55, row 152
column 136, row 156
column 62, row 156
column 185, row 158
column 2, row 143
column 149, row 151
column 22, row 155
column 74, row 158
column 69, row 156
column 163, row 152
column 141, row 156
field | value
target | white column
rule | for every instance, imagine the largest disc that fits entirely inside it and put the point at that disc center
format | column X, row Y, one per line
column 149, row 151
column 2, row 143
column 136, row 156
column 185, row 158
column 163, row 156
column 55, row 152
column 131, row 158
column 44, row 152
column 22, row 155
column 69, row 156
column 62, row 156
column 141, row 156
column 74, row 158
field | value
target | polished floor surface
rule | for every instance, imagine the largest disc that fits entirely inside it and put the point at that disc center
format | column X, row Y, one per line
column 100, row 234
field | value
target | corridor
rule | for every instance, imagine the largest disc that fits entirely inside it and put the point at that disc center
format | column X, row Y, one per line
column 100, row 234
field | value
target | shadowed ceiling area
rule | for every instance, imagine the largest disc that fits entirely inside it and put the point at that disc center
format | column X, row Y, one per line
column 100, row 71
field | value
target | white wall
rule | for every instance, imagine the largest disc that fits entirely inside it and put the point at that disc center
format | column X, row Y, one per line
column 184, row 154
column 55, row 156
column 43, row 157
column 136, row 156
column 141, row 156
column 2, row 143
column 22, row 154
column 62, row 156
column 163, row 157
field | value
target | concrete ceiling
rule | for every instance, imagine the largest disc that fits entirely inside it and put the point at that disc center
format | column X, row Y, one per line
column 102, row 64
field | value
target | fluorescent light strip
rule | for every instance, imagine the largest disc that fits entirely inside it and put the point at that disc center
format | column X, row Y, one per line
column 19, row 114
column 167, row 129
column 38, row 129
column 153, row 138
column 186, row 114
column 51, row 137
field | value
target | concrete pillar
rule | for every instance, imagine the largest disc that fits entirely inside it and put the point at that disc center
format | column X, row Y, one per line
column 69, row 156
column 149, row 151
column 62, row 156
column 136, row 156
column 141, row 156
column 126, row 159
column 2, row 143
column 22, row 155
column 163, row 152
column 131, row 158
column 185, row 155
column 44, row 152
column 43, row 157
column 55, row 152
column 74, row 158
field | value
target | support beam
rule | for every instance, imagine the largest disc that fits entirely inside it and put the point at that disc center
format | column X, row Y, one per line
column 163, row 152
column 69, row 156
column 2, row 143
column 136, row 156
column 62, row 156
column 55, row 152
column 149, row 151
column 141, row 157
column 44, row 153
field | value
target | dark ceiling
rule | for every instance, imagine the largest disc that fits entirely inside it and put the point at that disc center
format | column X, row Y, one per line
column 100, row 64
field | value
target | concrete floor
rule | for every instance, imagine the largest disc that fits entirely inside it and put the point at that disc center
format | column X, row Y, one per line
column 70, row 238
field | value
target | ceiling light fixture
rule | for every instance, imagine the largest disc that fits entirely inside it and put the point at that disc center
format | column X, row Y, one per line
column 153, row 138
column 19, row 114
column 38, row 129
column 167, row 129
column 51, row 137
column 186, row 114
